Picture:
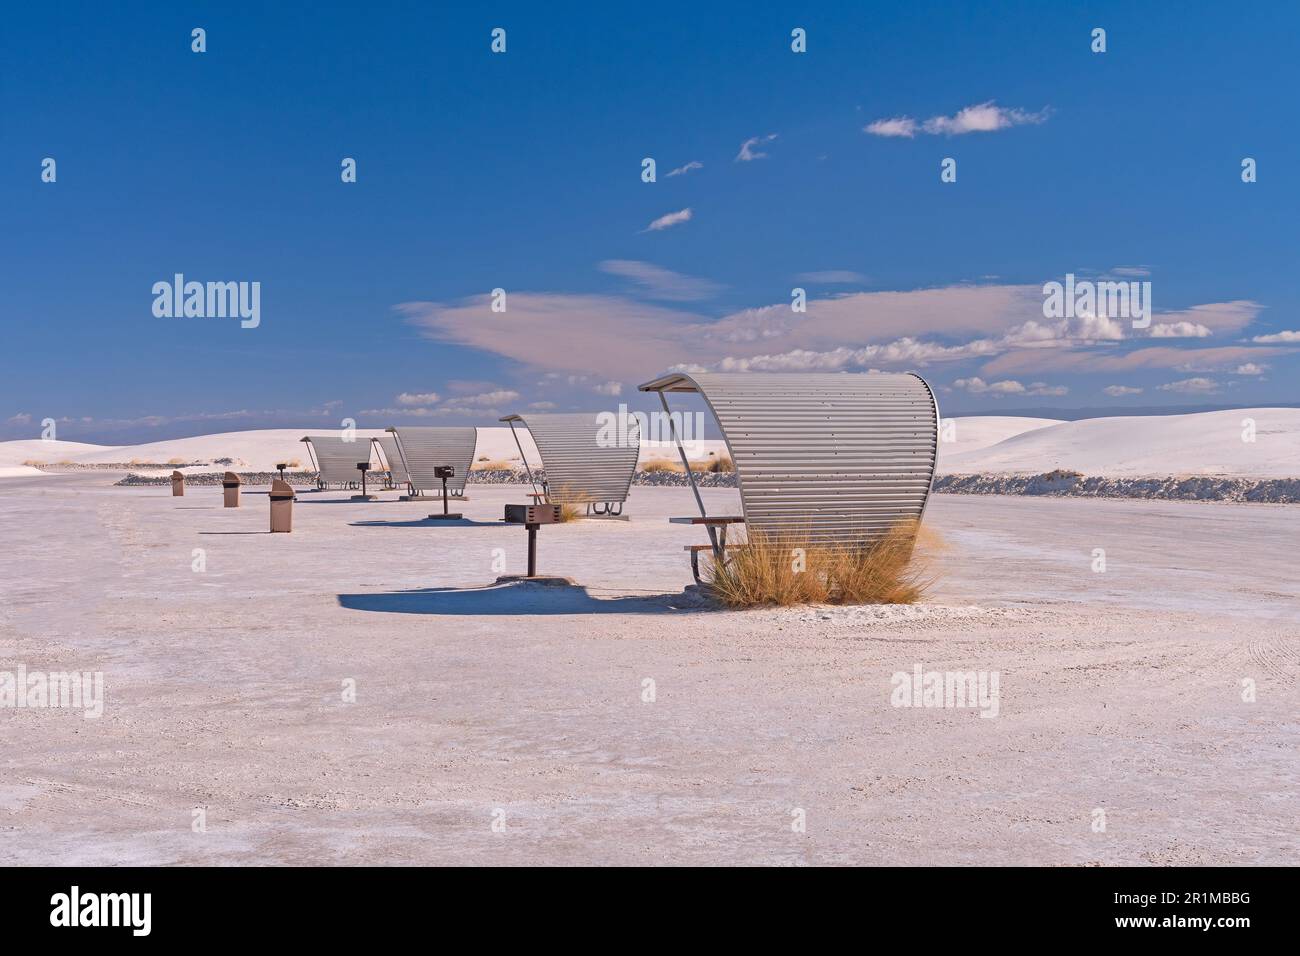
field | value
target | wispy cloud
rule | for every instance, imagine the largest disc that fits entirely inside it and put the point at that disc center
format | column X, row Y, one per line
column 1000, row 326
column 986, row 117
column 977, row 386
column 689, row 167
column 1250, row 368
column 660, row 283
column 608, row 388
column 1180, row 330
column 902, row 126
column 669, row 220
column 1287, row 336
column 832, row 277
column 1192, row 386
column 418, row 398
column 749, row 148
column 1117, row 390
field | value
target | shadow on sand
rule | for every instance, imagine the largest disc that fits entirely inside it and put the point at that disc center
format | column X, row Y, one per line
column 427, row 523
column 518, row 598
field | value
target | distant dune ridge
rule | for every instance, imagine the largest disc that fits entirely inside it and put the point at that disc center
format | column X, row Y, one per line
column 1200, row 444
column 1204, row 443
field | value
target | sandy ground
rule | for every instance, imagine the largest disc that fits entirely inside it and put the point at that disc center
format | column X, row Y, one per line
column 1119, row 691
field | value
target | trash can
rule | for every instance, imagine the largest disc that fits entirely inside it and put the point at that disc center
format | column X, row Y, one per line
column 178, row 485
column 281, row 506
column 231, row 485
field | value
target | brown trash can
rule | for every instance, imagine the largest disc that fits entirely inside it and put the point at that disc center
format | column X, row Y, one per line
column 178, row 485
column 281, row 506
column 231, row 485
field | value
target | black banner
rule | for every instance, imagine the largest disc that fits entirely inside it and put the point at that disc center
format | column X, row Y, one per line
column 949, row 907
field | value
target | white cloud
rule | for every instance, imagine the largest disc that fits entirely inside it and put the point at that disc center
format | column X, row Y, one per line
column 903, row 126
column 669, row 220
column 608, row 388
column 1250, row 368
column 977, row 386
column 683, row 170
column 984, row 117
column 832, row 277
column 541, row 406
column 1179, row 330
column 1192, row 386
column 1215, row 316
column 660, row 283
column 418, row 398
column 748, row 153
column 1278, row 337
column 1134, row 271
column 484, row 398
column 1118, row 390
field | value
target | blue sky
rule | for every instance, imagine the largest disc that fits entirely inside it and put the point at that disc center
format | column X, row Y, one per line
column 522, row 171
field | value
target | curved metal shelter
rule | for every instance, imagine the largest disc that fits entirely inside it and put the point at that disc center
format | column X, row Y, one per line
column 391, row 459
column 586, row 460
column 421, row 450
column 832, row 458
column 336, row 459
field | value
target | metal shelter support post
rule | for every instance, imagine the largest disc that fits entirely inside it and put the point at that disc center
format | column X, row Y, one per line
column 690, row 476
column 312, row 455
column 524, row 458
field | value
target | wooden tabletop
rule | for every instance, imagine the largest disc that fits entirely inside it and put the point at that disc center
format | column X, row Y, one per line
column 711, row 519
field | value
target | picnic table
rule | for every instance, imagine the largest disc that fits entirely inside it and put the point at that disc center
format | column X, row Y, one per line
column 717, row 526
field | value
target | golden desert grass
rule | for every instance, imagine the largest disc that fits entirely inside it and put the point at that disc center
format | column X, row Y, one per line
column 764, row 572
column 662, row 464
column 488, row 464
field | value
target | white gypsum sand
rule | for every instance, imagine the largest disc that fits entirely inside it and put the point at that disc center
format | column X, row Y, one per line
column 1119, row 690
column 1203, row 443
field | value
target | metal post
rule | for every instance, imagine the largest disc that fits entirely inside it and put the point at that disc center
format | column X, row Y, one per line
column 312, row 455
column 690, row 476
column 532, row 550
column 522, row 456
column 445, row 509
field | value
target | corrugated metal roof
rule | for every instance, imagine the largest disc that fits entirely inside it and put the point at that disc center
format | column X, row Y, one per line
column 423, row 449
column 585, row 461
column 392, row 458
column 828, row 457
column 337, row 457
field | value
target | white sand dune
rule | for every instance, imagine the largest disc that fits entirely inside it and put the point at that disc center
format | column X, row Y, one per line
column 980, row 431
column 46, row 452
column 1204, row 443
column 262, row 449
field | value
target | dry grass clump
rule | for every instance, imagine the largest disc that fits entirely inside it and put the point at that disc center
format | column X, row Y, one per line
column 765, row 572
column 487, row 464
column 33, row 462
column 570, row 512
column 663, row 464
column 718, row 465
